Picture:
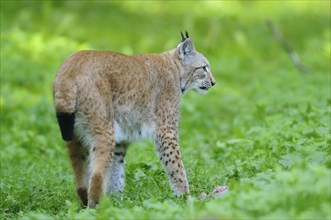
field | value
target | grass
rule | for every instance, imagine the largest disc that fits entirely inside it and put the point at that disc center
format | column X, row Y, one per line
column 264, row 130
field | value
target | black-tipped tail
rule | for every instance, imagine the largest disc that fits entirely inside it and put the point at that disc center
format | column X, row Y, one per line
column 66, row 123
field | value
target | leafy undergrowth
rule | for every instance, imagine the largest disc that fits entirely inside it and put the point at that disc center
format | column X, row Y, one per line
column 263, row 130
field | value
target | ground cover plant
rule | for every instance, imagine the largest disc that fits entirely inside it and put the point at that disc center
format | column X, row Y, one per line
column 263, row 130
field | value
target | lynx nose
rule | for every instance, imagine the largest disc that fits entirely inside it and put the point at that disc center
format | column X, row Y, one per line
column 213, row 82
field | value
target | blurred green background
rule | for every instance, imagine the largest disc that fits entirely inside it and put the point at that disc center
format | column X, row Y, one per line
column 264, row 129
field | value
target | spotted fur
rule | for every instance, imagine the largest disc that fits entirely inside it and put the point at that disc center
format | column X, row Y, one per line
column 106, row 100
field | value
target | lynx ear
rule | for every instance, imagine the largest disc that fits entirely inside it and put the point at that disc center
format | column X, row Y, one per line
column 186, row 48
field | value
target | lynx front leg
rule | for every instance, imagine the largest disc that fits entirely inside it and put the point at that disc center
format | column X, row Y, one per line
column 116, row 173
column 170, row 157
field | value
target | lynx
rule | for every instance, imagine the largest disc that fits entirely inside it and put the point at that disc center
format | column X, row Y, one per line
column 106, row 100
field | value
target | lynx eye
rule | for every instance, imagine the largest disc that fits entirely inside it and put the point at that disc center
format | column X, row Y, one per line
column 205, row 68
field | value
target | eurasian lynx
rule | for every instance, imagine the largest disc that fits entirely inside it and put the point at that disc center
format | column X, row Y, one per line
column 105, row 100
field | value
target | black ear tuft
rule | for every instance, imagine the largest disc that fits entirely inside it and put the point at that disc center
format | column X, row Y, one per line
column 183, row 38
column 186, row 33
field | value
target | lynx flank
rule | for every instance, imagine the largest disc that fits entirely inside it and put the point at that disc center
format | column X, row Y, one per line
column 105, row 100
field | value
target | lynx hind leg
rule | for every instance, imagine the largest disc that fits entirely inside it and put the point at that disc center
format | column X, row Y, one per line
column 170, row 157
column 101, row 155
column 78, row 157
column 116, row 172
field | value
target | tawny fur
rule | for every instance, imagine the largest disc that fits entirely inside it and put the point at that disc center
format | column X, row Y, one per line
column 117, row 99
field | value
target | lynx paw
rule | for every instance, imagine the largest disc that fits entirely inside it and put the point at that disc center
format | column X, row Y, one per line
column 218, row 192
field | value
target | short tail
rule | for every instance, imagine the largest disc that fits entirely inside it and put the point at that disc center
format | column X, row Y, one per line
column 66, row 122
column 64, row 93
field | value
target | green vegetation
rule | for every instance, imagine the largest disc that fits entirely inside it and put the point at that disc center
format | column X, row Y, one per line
column 263, row 130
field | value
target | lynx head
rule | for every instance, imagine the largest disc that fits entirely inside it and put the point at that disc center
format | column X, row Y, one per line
column 197, row 74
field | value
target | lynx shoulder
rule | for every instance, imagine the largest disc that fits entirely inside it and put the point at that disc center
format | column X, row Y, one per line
column 105, row 100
